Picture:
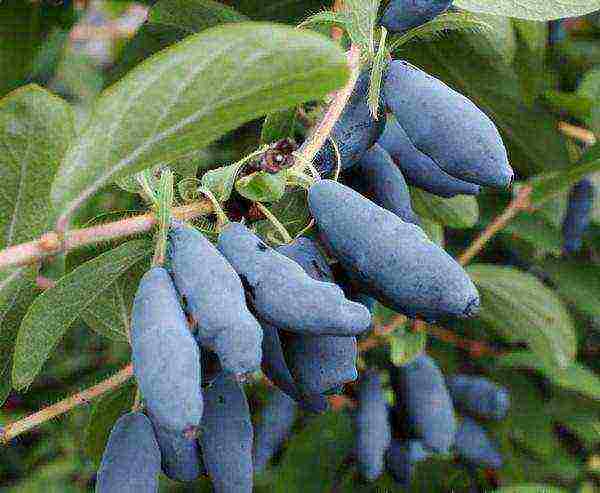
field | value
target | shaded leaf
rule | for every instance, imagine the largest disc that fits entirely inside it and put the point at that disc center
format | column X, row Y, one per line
column 520, row 308
column 574, row 377
column 313, row 456
column 548, row 185
column 531, row 488
column 193, row 16
column 278, row 125
column 188, row 95
column 55, row 310
column 576, row 282
column 459, row 212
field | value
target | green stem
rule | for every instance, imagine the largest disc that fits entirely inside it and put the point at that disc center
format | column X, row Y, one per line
column 165, row 202
column 275, row 222
column 222, row 218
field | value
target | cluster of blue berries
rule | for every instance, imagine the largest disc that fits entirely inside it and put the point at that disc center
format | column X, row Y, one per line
column 214, row 314
column 423, row 422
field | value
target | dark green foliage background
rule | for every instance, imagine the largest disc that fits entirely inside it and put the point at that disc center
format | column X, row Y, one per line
column 552, row 434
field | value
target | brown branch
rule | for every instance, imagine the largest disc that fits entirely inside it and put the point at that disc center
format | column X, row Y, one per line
column 577, row 133
column 321, row 132
column 50, row 244
column 337, row 32
column 519, row 203
column 18, row 427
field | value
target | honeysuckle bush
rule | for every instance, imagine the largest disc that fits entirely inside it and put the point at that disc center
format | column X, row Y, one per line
column 204, row 88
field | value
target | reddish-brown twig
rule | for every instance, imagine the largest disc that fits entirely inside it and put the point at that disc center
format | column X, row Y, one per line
column 519, row 203
column 18, row 427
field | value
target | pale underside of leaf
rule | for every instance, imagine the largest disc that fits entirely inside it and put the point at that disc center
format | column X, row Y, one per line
column 540, row 10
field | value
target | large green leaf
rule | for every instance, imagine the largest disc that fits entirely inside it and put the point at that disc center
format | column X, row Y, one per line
column 55, row 310
column 192, row 15
column 573, row 377
column 519, row 307
column 189, row 95
column 459, row 212
column 577, row 282
column 529, row 130
column 110, row 313
column 531, row 9
column 35, row 130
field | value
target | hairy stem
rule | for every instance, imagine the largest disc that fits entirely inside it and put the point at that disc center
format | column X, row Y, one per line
column 519, row 203
column 582, row 135
column 18, row 427
column 321, row 132
column 49, row 244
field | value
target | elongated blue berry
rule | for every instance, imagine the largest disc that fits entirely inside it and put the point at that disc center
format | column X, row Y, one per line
column 180, row 454
column 379, row 179
column 226, row 437
column 166, row 358
column 402, row 457
column 447, row 126
column 403, row 15
column 275, row 367
column 427, row 403
column 318, row 364
column 373, row 432
column 474, row 445
column 274, row 427
column 355, row 131
column 419, row 169
column 215, row 299
column 578, row 216
column 479, row 396
column 131, row 459
column 283, row 294
column 392, row 261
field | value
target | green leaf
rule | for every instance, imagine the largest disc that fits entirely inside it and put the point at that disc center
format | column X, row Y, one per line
column 103, row 416
column 519, row 307
column 363, row 19
column 16, row 294
column 55, row 310
column 261, row 186
column 328, row 18
column 188, row 95
column 549, row 185
column 434, row 230
column 536, row 231
column 576, row 282
column 110, row 315
column 573, row 377
column 406, row 346
column 574, row 105
column 314, row 455
column 531, row 9
column 461, row 211
column 220, row 181
column 193, row 16
column 291, row 211
column 436, row 28
column 36, row 128
column 278, row 125
column 289, row 11
column 380, row 62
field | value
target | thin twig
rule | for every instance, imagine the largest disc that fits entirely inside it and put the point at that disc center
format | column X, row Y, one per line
column 577, row 133
column 519, row 203
column 49, row 244
column 321, row 132
column 337, row 32
column 18, row 427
